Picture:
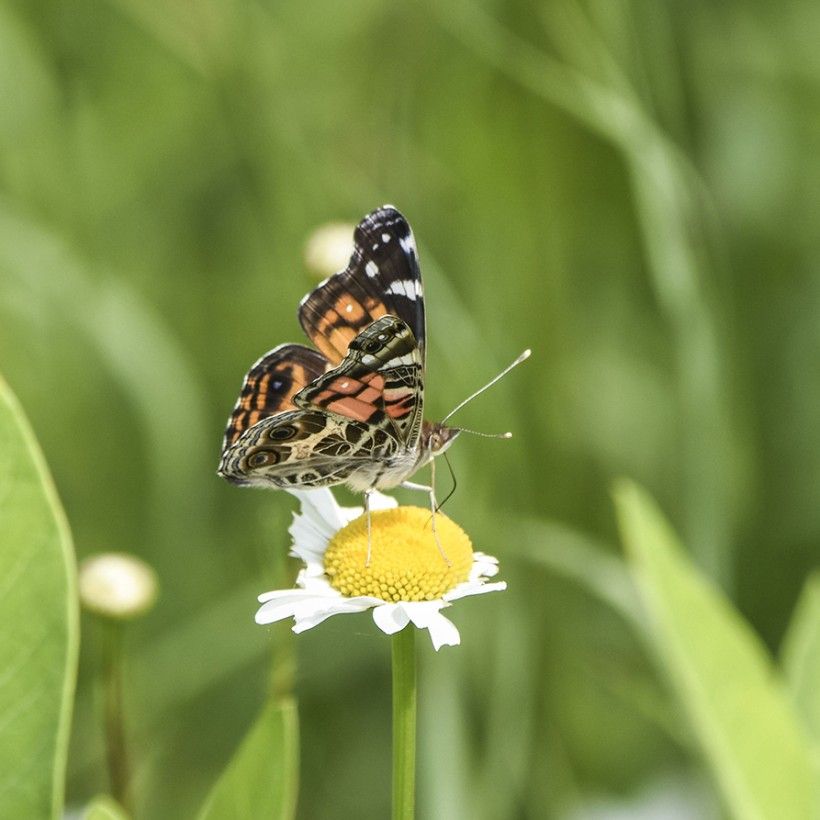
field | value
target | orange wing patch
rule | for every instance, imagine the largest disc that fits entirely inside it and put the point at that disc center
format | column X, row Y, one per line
column 358, row 399
column 271, row 384
column 338, row 323
column 399, row 402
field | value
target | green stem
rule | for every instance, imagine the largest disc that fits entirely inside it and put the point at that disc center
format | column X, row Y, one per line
column 283, row 659
column 404, row 723
column 114, row 728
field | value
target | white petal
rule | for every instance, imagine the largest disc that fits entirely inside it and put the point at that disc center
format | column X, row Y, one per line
column 427, row 615
column 309, row 537
column 390, row 618
column 350, row 514
column 443, row 632
column 283, row 604
column 318, row 584
column 279, row 594
column 484, row 566
column 422, row 612
column 309, row 606
column 311, row 569
column 473, row 588
column 341, row 606
column 309, row 621
column 359, row 603
column 320, row 506
column 380, row 501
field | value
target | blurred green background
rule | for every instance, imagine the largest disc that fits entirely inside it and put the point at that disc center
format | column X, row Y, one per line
column 629, row 188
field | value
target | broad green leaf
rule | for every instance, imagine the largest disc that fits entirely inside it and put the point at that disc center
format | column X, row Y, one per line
column 262, row 779
column 720, row 671
column 39, row 639
column 801, row 657
column 104, row 807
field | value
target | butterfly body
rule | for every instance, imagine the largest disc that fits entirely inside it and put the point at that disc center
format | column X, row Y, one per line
column 349, row 412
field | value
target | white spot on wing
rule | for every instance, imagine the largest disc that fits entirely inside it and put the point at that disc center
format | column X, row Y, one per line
column 411, row 288
column 371, row 269
column 408, row 244
column 385, row 237
column 408, row 358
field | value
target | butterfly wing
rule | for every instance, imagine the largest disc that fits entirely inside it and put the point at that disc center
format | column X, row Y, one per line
column 271, row 384
column 297, row 448
column 380, row 382
column 382, row 277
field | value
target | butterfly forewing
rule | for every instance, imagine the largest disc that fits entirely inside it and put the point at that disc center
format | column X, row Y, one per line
column 382, row 277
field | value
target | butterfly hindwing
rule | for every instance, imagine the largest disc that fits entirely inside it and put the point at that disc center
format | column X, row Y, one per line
column 382, row 277
column 297, row 448
column 271, row 384
column 380, row 382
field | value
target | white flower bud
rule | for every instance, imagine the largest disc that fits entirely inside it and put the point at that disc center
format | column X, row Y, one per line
column 117, row 585
column 328, row 249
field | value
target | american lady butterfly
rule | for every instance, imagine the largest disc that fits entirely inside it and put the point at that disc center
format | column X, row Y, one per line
column 349, row 412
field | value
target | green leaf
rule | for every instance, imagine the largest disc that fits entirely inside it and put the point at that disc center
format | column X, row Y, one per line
column 801, row 657
column 104, row 807
column 720, row 671
column 262, row 779
column 39, row 641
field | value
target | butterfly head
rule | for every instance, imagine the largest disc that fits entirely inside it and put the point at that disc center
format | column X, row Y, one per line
column 437, row 437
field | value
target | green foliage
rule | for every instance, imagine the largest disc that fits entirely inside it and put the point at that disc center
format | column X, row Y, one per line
column 262, row 778
column 721, row 673
column 38, row 606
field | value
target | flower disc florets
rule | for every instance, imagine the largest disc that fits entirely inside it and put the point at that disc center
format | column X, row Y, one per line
column 406, row 563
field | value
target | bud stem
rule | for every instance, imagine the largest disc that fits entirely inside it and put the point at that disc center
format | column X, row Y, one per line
column 112, row 693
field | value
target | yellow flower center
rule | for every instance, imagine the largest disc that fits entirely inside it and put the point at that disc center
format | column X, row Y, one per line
column 405, row 561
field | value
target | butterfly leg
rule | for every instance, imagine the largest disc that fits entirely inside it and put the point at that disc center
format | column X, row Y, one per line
column 431, row 491
column 367, row 512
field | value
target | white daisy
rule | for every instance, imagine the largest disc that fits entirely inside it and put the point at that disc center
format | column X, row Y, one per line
column 406, row 581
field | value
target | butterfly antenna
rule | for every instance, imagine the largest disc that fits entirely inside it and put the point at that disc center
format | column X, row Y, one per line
column 525, row 355
column 483, row 435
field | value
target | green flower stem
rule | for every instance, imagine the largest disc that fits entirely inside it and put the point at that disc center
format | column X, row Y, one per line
column 114, row 722
column 404, row 723
column 283, row 659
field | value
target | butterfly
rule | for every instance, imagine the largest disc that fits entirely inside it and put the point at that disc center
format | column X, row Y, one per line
column 349, row 411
